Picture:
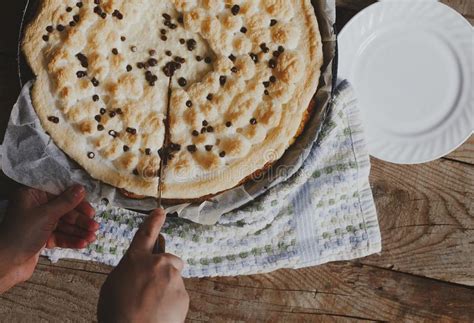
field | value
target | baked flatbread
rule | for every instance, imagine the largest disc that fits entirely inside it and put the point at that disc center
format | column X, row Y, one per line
column 243, row 74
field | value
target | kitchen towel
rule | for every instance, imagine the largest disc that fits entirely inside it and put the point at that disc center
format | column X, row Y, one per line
column 325, row 212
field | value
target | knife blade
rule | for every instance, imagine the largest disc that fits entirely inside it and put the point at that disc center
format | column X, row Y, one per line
column 160, row 242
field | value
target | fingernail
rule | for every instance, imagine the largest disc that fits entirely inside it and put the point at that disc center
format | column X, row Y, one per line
column 76, row 191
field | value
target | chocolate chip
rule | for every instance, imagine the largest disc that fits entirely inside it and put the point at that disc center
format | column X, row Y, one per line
column 253, row 121
column 123, row 38
column 205, row 123
column 210, row 129
column 254, row 57
column 53, row 119
column 117, row 14
column 112, row 114
column 81, row 74
column 72, row 24
column 243, row 30
column 180, row 60
column 210, row 96
column 208, row 147
column 203, row 130
column 83, row 60
column 164, row 38
column 79, row 4
column 97, row 1
column 98, row 118
column 173, row 26
column 266, row 92
column 175, row 147
column 168, row 53
column 235, row 10
column 129, row 68
column 234, row 69
column 276, row 54
column 180, row 19
column 191, row 44
column 95, row 82
column 266, row 84
column 140, row 65
column 182, row 41
column 132, row 131
column 103, row 15
column 273, row 22
column 281, row 49
column 95, row 98
column 192, row 148
column 76, row 18
column 100, row 127
column 148, row 151
column 264, row 48
column 272, row 63
column 152, row 62
column 222, row 80
column 115, row 51
column 198, row 58
column 273, row 79
column 68, row 9
column 135, row 172
column 189, row 103
column 228, row 124
column 182, row 82
column 113, row 133
column 50, row 29
column 133, row 48
column 152, row 52
column 126, row 148
column 166, row 16
column 91, row 155
column 60, row 27
column 45, row 37
column 208, row 60
column 232, row 57
column 195, row 133
column 119, row 111
column 222, row 154
column 103, row 111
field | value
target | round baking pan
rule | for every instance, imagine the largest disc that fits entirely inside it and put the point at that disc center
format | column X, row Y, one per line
column 290, row 161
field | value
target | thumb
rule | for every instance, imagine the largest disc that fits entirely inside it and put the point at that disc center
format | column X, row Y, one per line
column 146, row 236
column 64, row 203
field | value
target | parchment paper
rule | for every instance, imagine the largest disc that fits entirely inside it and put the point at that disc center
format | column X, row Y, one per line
column 30, row 157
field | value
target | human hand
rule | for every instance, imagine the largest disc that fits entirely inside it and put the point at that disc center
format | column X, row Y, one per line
column 145, row 287
column 35, row 220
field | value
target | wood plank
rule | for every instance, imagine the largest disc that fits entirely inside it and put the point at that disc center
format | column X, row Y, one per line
column 426, row 215
column 465, row 153
column 338, row 291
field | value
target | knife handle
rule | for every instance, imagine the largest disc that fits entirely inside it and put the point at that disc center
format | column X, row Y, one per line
column 160, row 245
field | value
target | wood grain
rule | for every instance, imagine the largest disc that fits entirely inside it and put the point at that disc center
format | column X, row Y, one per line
column 465, row 153
column 338, row 291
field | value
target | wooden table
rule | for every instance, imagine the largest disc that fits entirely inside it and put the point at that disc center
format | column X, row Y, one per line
column 425, row 272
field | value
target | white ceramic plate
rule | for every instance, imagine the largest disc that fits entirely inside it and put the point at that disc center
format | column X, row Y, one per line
column 411, row 64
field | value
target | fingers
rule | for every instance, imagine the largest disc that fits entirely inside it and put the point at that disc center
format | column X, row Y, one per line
column 147, row 235
column 65, row 202
column 86, row 209
column 75, row 231
column 61, row 240
column 172, row 260
column 81, row 220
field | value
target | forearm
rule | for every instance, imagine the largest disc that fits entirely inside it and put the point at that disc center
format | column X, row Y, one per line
column 11, row 271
